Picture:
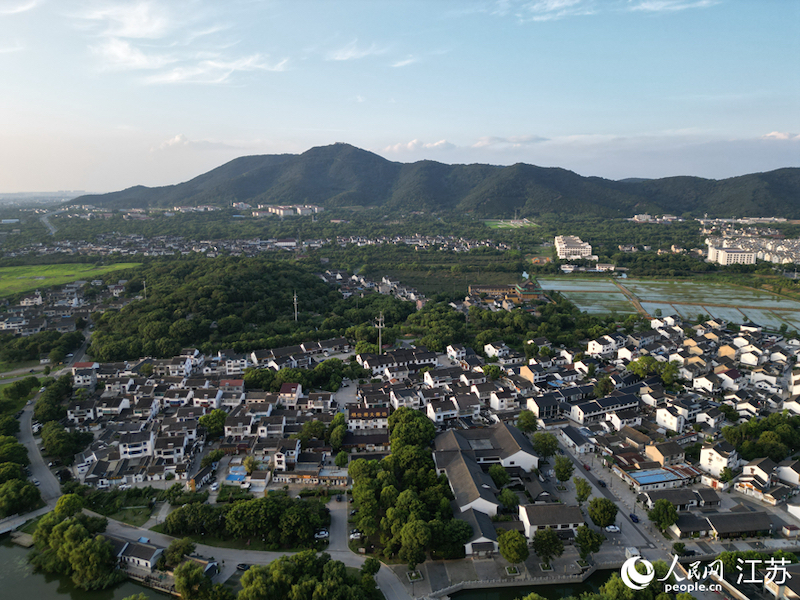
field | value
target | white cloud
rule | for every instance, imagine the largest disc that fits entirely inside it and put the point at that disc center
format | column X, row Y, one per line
column 181, row 141
column 352, row 51
column 216, row 71
column 180, row 42
column 781, row 135
column 547, row 10
column 512, row 142
column 670, row 5
column 10, row 49
column 120, row 54
column 415, row 145
column 405, row 62
column 15, row 8
column 135, row 20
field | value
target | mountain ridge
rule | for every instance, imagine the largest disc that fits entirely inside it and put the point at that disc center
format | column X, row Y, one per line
column 342, row 175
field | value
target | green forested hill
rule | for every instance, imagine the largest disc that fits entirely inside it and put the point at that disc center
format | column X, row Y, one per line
column 342, row 175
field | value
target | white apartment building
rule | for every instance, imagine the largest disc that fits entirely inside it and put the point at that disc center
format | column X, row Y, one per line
column 569, row 247
column 731, row 256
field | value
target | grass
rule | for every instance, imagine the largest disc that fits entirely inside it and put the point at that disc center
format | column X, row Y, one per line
column 30, row 526
column 132, row 516
column 18, row 280
column 28, row 364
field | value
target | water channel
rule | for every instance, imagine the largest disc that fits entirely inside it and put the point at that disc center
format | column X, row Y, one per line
column 18, row 581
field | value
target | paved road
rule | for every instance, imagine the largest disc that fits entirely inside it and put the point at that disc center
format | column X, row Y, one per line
column 228, row 558
column 49, row 486
column 47, row 222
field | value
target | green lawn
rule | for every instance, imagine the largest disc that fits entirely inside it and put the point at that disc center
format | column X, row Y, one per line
column 5, row 367
column 16, row 280
column 132, row 516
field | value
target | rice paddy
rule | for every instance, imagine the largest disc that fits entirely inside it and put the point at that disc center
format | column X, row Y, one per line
column 686, row 298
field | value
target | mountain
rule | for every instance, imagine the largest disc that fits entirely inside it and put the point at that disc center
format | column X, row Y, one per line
column 343, row 175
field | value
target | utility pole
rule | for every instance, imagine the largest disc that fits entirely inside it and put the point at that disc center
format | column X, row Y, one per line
column 380, row 327
column 295, row 306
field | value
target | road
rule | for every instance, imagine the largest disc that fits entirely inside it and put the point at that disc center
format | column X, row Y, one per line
column 49, row 486
column 228, row 558
column 47, row 223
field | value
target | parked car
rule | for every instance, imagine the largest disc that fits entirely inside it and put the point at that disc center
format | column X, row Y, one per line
column 601, row 483
column 634, row 518
column 214, row 486
column 353, row 512
column 243, row 566
column 587, row 467
column 612, row 529
column 338, row 497
column 322, row 534
column 355, row 535
column 35, row 482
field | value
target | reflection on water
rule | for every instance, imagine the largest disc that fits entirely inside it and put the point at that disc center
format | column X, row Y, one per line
column 19, row 581
column 551, row 592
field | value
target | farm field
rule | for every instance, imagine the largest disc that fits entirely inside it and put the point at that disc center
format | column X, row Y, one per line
column 509, row 223
column 17, row 280
column 686, row 298
column 563, row 284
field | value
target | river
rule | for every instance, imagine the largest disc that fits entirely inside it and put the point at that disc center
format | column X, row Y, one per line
column 18, row 581
column 551, row 592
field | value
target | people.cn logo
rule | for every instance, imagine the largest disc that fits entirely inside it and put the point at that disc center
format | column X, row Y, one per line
column 632, row 578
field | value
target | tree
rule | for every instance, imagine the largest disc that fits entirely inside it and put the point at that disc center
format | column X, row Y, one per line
column 9, row 425
column 371, row 566
column 527, row 422
column 337, row 437
column 68, row 505
column 544, row 444
column 492, row 372
column 414, row 538
column 582, row 489
column 663, row 514
column 17, row 496
column 93, row 564
column 678, row 548
column 603, row 387
column 508, row 499
column 513, row 546
column 602, row 511
column 177, row 549
column 726, row 475
column 563, row 468
column 547, row 545
column 212, row 457
column 342, row 459
column 9, row 471
column 409, row 427
column 729, row 412
column 499, row 475
column 214, row 423
column 190, row 580
column 588, row 541
column 250, row 464
column 12, row 451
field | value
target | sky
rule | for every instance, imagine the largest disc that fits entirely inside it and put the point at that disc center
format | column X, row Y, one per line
column 104, row 95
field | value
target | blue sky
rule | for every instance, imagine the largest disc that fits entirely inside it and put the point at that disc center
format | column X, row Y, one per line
column 102, row 95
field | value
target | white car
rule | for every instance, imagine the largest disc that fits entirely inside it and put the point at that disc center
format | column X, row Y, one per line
column 322, row 535
column 35, row 482
column 355, row 535
column 612, row 529
column 214, row 486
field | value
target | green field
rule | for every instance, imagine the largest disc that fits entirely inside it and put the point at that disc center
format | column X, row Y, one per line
column 17, row 280
column 509, row 223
